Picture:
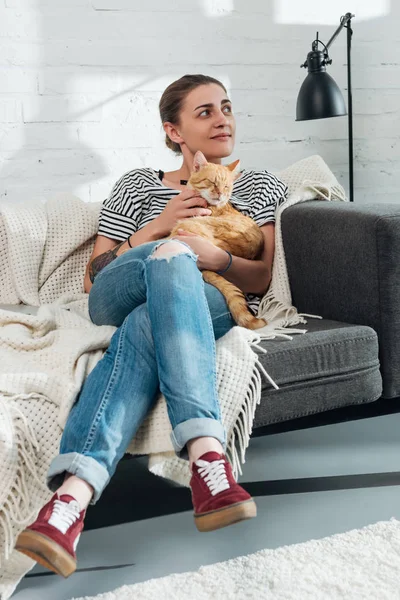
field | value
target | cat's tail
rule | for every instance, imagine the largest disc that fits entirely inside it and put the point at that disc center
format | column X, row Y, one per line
column 236, row 301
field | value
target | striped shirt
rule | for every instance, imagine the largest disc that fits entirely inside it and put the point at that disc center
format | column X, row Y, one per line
column 139, row 196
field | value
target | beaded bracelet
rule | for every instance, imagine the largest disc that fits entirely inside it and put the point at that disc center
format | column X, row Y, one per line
column 229, row 264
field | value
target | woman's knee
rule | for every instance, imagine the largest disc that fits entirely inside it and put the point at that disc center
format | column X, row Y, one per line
column 170, row 248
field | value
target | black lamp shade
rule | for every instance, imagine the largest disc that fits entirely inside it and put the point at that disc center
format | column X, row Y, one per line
column 319, row 98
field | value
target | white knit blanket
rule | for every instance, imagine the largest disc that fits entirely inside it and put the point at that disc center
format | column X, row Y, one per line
column 45, row 358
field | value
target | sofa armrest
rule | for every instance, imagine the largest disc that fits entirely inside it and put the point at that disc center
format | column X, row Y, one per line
column 343, row 262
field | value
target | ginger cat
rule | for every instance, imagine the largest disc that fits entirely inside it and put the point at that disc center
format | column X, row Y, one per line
column 227, row 228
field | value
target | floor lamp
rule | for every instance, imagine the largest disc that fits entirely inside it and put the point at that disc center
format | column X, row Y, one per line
column 319, row 96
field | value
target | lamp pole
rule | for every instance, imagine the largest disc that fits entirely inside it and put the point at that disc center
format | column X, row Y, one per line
column 346, row 22
column 350, row 106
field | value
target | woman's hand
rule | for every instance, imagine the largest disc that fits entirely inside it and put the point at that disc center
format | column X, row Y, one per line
column 209, row 256
column 188, row 203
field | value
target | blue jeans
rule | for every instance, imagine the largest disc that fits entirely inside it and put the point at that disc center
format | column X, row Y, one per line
column 167, row 321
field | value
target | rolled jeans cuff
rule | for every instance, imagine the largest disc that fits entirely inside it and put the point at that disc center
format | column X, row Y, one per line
column 84, row 467
column 193, row 428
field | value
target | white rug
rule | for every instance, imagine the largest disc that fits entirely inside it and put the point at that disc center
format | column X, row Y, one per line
column 362, row 564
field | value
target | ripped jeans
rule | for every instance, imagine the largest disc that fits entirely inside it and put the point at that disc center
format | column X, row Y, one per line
column 167, row 321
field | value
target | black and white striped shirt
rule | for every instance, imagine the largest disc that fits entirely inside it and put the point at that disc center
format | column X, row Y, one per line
column 139, row 196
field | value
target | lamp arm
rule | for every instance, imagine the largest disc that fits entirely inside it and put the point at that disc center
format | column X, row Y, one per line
column 343, row 22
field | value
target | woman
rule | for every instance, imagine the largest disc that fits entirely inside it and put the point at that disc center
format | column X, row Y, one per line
column 167, row 321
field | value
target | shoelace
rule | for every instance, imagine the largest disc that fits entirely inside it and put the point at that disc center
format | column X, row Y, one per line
column 214, row 475
column 64, row 515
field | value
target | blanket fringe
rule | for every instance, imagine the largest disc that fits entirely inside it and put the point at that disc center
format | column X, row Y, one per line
column 272, row 309
column 242, row 430
column 328, row 192
column 16, row 508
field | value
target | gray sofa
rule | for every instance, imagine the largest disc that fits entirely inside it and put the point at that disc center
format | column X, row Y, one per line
column 343, row 264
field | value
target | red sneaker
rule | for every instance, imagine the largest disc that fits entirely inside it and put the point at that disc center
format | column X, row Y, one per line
column 52, row 539
column 218, row 500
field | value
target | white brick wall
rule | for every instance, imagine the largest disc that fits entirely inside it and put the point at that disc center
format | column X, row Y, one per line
column 80, row 82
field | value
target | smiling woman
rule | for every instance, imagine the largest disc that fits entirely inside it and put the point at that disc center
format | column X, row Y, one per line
column 157, row 305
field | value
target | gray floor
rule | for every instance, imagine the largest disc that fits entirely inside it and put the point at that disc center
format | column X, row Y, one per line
column 118, row 555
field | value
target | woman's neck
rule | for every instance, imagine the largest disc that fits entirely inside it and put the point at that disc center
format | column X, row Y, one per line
column 184, row 172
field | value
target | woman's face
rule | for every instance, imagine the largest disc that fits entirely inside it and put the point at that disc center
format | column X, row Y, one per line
column 207, row 122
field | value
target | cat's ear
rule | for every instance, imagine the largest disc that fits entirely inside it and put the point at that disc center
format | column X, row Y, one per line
column 199, row 161
column 235, row 168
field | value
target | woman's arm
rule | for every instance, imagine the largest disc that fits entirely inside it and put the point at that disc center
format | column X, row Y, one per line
column 252, row 276
column 148, row 233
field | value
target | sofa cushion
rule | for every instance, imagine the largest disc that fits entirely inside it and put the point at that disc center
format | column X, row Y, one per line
column 334, row 364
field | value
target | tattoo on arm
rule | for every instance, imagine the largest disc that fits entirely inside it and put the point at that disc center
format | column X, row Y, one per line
column 103, row 260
